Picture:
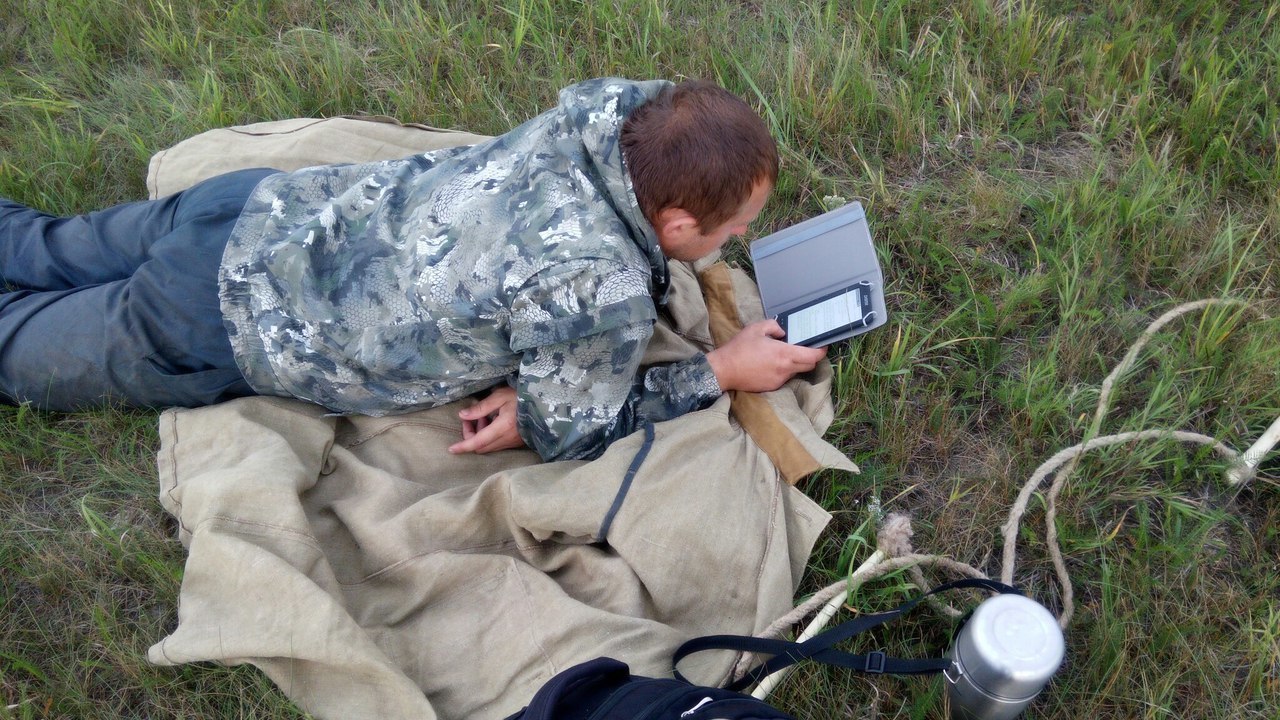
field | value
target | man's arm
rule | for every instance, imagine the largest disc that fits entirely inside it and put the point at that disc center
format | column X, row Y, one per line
column 576, row 395
column 755, row 360
column 576, row 398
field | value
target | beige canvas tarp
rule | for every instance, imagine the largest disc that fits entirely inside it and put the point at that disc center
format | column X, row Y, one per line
column 371, row 574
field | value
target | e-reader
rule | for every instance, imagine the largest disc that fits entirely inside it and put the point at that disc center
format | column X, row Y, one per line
column 820, row 278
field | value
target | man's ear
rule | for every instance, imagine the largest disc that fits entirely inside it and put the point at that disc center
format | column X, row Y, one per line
column 675, row 228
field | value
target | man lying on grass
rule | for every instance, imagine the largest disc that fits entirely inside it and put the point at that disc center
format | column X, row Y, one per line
column 527, row 266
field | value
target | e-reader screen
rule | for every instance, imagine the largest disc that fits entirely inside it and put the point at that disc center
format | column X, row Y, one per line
column 828, row 316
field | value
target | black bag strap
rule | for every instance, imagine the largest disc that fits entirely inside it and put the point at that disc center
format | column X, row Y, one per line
column 821, row 647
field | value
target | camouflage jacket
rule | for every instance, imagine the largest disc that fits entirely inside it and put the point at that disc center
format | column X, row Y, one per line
column 391, row 286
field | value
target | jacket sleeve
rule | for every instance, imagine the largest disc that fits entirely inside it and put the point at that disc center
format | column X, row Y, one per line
column 576, row 397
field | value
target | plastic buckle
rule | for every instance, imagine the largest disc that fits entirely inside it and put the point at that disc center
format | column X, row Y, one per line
column 874, row 662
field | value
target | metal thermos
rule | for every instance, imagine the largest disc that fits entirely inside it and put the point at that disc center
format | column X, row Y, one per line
column 1005, row 655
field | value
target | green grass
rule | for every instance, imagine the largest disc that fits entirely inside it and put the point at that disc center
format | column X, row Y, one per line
column 1042, row 178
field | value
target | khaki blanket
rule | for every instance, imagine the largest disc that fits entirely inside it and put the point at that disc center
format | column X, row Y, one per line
column 371, row 574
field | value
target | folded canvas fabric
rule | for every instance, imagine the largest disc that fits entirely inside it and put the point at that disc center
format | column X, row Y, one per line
column 291, row 145
column 371, row 574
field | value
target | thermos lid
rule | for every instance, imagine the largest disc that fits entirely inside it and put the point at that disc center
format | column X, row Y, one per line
column 1010, row 647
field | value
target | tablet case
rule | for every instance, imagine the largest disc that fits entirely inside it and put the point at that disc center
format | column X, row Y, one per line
column 812, row 259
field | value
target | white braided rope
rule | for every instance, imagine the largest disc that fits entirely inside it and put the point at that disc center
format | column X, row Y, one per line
column 894, row 551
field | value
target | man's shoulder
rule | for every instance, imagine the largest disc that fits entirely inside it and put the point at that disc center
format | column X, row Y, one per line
column 580, row 229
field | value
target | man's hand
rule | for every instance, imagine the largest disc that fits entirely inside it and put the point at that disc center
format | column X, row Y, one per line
column 757, row 360
column 490, row 424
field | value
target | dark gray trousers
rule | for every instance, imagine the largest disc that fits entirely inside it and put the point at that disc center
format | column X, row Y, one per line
column 120, row 305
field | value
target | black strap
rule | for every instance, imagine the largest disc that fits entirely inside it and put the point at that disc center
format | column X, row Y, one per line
column 625, row 487
column 821, row 647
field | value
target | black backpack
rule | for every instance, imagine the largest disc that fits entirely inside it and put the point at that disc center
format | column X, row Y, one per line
column 605, row 689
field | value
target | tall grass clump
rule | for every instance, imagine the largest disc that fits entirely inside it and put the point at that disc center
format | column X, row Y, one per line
column 1042, row 179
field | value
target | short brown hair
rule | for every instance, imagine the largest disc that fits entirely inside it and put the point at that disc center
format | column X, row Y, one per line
column 697, row 147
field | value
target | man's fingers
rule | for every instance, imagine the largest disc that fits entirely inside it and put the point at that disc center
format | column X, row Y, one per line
column 484, row 408
column 814, row 355
column 496, row 435
column 489, row 440
column 804, row 355
column 474, row 444
column 490, row 424
column 772, row 328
